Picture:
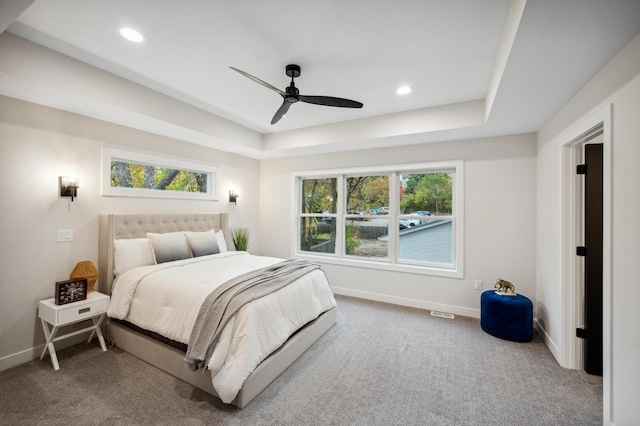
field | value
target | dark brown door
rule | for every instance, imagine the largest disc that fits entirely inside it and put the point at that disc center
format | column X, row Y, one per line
column 593, row 259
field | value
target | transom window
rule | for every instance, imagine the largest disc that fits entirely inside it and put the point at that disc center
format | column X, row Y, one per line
column 135, row 174
column 405, row 218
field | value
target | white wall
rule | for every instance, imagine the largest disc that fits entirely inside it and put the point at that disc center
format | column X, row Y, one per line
column 38, row 144
column 617, row 89
column 499, row 226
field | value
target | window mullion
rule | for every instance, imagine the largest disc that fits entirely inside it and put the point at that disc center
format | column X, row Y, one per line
column 394, row 206
column 340, row 221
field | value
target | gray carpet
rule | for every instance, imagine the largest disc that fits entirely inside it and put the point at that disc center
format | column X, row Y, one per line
column 379, row 365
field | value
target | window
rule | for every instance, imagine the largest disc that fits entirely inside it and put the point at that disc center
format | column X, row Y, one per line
column 366, row 198
column 134, row 174
column 346, row 217
column 318, row 215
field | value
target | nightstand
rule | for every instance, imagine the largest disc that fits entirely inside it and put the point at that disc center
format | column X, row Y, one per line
column 56, row 316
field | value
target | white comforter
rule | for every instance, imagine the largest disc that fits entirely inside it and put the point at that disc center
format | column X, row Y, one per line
column 166, row 298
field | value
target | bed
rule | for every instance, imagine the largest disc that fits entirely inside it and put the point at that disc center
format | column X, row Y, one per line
column 168, row 353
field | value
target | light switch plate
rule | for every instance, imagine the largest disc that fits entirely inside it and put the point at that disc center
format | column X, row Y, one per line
column 65, row 235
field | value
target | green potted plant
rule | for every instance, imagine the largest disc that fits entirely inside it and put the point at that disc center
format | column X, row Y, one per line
column 240, row 237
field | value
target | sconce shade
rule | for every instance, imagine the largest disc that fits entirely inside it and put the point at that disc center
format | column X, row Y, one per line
column 68, row 186
column 85, row 269
column 233, row 196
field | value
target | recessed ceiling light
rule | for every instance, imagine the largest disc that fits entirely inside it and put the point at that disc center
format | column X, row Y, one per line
column 131, row 34
column 403, row 90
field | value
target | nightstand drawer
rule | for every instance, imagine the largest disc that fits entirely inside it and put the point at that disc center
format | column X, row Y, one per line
column 73, row 313
column 96, row 304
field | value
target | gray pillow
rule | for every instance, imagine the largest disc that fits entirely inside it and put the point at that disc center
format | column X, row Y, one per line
column 202, row 243
column 170, row 246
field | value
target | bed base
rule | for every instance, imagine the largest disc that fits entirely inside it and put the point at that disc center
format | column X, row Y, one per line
column 171, row 360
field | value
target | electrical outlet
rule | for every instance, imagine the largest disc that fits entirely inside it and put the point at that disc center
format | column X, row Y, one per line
column 478, row 284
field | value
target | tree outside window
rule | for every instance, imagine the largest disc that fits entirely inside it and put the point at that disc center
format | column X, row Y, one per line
column 132, row 175
column 430, row 192
column 318, row 219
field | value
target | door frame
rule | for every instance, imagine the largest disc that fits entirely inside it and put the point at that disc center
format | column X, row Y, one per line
column 572, row 315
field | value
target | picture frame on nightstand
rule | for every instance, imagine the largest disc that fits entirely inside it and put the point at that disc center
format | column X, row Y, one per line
column 70, row 291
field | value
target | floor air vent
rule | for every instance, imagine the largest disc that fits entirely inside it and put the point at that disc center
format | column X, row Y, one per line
column 442, row 314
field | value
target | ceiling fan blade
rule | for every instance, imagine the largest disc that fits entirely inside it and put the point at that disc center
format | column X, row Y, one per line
column 257, row 80
column 281, row 112
column 330, row 101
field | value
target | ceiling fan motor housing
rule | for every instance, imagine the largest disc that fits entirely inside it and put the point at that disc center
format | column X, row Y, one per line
column 292, row 94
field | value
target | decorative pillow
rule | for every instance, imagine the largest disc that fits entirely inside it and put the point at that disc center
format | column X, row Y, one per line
column 170, row 246
column 222, row 244
column 202, row 243
column 131, row 253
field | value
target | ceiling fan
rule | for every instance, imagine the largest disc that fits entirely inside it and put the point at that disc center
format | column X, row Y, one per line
column 291, row 95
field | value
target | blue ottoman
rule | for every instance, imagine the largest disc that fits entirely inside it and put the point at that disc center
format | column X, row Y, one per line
column 507, row 317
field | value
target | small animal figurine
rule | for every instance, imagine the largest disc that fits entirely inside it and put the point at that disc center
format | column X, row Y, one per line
column 503, row 286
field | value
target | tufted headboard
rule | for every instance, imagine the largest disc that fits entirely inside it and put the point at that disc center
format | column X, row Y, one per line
column 118, row 226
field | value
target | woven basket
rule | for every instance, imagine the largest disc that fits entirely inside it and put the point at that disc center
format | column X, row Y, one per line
column 85, row 269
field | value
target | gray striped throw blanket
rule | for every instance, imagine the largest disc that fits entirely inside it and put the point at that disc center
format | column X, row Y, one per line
column 222, row 303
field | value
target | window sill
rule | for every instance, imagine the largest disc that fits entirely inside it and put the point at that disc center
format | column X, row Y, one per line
column 385, row 266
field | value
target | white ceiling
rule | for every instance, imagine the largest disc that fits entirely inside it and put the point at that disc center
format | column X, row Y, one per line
column 477, row 68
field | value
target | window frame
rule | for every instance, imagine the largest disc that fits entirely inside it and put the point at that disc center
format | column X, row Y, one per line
column 114, row 154
column 392, row 261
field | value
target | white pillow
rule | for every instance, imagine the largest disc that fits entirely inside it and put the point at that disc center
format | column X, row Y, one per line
column 202, row 243
column 222, row 244
column 131, row 253
column 170, row 246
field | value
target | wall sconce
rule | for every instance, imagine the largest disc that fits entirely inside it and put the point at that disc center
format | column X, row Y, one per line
column 233, row 196
column 69, row 186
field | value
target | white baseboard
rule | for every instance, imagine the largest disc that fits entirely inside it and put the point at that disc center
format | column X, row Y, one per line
column 403, row 301
column 20, row 357
column 432, row 306
column 549, row 343
column 34, row 353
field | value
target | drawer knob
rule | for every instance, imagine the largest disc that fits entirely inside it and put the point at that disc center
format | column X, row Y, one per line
column 84, row 311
